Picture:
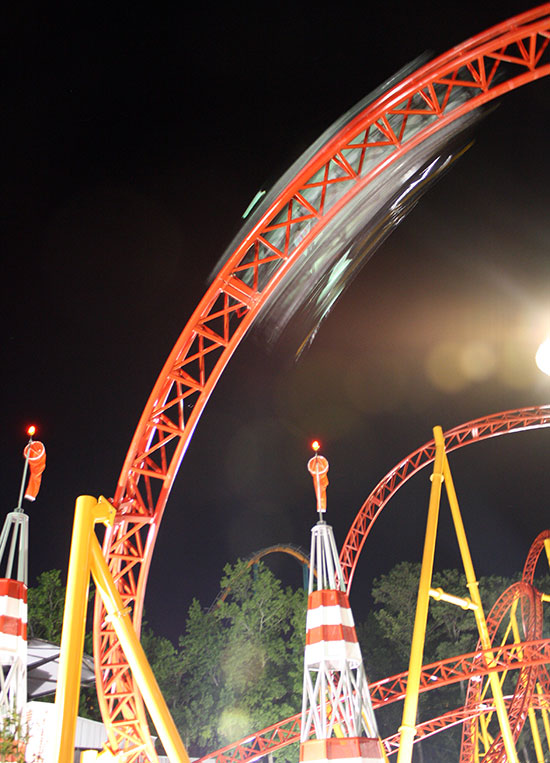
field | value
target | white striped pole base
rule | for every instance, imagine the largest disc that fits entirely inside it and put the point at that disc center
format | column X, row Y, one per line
column 13, row 619
column 330, row 631
column 342, row 750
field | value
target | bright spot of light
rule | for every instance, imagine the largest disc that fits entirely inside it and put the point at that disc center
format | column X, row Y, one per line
column 542, row 358
column 31, row 430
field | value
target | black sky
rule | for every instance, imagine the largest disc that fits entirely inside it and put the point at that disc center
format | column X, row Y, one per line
column 133, row 141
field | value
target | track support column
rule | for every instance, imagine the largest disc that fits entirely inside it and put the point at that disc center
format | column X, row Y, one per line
column 86, row 558
column 473, row 588
column 410, row 707
column 442, row 473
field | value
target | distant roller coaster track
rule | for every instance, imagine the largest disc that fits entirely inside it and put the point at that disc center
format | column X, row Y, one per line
column 259, row 264
column 280, row 548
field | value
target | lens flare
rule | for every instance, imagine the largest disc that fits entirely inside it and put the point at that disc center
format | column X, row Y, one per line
column 542, row 358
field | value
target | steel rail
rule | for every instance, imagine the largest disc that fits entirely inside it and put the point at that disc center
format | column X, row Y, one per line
column 280, row 548
column 456, row 717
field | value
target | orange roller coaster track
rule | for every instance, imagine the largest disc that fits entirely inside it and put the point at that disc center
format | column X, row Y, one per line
column 262, row 261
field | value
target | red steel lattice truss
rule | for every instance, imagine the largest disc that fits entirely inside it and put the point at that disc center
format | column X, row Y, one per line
column 453, row 85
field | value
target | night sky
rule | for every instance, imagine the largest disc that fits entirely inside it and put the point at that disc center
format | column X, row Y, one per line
column 133, row 141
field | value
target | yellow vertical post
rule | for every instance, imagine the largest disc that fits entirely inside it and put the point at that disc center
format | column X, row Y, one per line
column 87, row 557
column 408, row 724
column 473, row 587
column 536, row 736
column 141, row 670
column 545, row 720
column 74, row 625
column 485, row 736
column 531, row 713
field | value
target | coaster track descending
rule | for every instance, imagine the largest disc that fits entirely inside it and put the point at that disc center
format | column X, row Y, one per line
column 371, row 142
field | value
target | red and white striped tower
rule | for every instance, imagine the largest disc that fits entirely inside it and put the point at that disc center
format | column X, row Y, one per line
column 14, row 545
column 336, row 708
column 13, row 646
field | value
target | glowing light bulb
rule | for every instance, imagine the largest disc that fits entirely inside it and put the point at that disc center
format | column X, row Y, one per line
column 542, row 358
column 31, row 430
column 316, row 445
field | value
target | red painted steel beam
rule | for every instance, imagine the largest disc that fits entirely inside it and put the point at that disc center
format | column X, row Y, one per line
column 521, row 420
column 262, row 261
column 456, row 717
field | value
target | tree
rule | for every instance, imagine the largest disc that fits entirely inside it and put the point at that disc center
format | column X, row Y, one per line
column 45, row 607
column 238, row 667
column 242, row 662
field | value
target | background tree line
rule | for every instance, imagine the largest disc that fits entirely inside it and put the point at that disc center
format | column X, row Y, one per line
column 237, row 667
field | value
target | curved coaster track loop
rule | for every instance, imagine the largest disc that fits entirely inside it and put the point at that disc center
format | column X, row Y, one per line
column 280, row 548
column 477, row 430
column 260, row 263
column 531, row 608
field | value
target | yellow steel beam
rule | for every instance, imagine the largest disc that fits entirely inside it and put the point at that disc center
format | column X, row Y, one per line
column 87, row 558
column 408, row 724
column 442, row 473
column 547, row 549
column 74, row 624
column 438, row 594
column 473, row 587
column 545, row 720
column 536, row 736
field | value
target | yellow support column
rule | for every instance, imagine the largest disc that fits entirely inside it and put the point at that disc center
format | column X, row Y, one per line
column 87, row 557
column 408, row 724
column 473, row 587
column 546, row 722
column 74, row 624
column 536, row 736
